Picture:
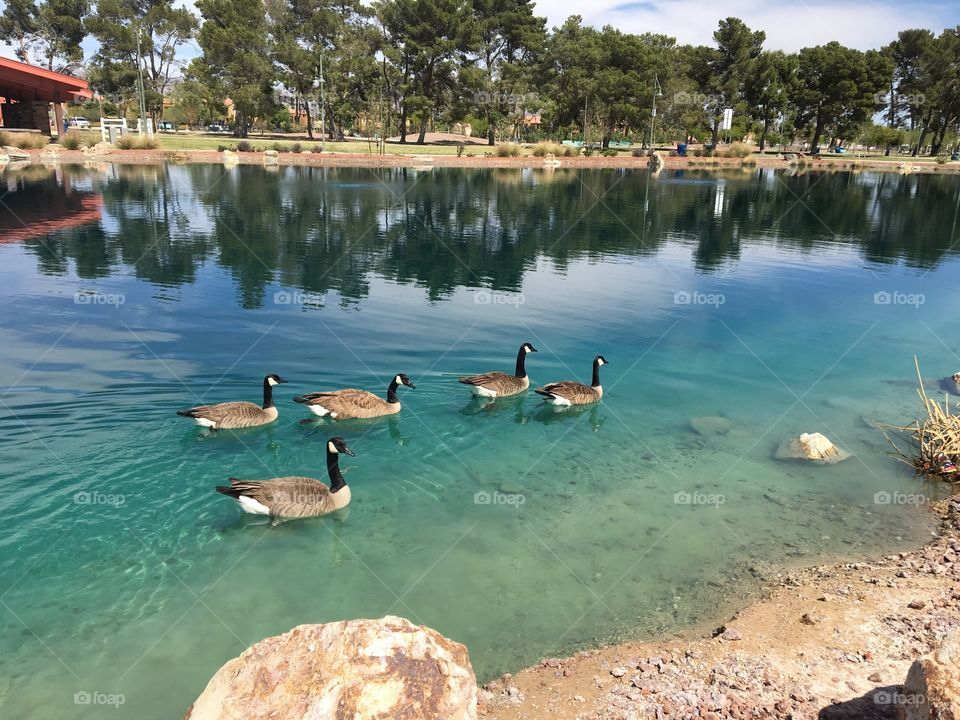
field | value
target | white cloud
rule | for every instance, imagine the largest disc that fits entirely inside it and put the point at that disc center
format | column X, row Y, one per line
column 789, row 25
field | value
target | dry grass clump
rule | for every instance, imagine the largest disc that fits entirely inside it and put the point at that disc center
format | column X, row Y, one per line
column 934, row 440
column 24, row 141
column 507, row 150
column 542, row 149
column 132, row 142
column 737, row 150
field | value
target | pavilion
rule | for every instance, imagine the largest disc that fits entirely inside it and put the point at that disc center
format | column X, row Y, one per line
column 27, row 91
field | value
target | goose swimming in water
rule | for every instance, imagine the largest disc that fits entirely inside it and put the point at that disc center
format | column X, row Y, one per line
column 570, row 392
column 295, row 497
column 500, row 384
column 232, row 415
column 352, row 403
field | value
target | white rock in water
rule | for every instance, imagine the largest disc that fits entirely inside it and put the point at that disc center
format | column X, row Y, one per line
column 387, row 668
column 811, row 446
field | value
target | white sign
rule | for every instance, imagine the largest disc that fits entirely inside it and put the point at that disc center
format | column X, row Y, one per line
column 727, row 119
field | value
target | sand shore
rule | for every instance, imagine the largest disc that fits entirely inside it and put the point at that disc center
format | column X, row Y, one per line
column 827, row 642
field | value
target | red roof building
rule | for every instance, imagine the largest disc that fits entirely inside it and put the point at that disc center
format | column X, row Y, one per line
column 26, row 92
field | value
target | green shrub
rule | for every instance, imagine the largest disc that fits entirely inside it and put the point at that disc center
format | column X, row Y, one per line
column 244, row 146
column 281, row 148
column 607, row 152
column 459, row 149
column 296, row 148
column 317, row 149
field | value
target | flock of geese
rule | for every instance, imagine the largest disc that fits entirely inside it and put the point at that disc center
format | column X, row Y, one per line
column 300, row 497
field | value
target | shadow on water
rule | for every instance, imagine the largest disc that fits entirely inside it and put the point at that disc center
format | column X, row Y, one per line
column 295, row 227
column 549, row 414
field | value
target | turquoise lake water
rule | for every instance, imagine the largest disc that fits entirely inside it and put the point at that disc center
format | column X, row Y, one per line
column 784, row 304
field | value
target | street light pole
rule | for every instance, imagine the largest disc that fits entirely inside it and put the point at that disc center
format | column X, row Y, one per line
column 657, row 92
column 323, row 111
column 143, row 101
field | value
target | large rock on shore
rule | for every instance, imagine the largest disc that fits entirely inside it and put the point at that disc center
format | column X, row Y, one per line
column 811, row 446
column 387, row 669
column 932, row 688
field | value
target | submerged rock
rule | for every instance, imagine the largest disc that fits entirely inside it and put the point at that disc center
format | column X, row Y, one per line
column 932, row 687
column 811, row 446
column 387, row 669
column 711, row 426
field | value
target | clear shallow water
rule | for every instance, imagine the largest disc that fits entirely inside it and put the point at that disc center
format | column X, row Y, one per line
column 148, row 581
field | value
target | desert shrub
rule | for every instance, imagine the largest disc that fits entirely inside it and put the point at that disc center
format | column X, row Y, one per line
column 459, row 149
column 469, row 154
column 607, row 152
column 942, row 159
column 588, row 151
column 280, row 148
column 132, row 142
column 737, row 150
column 71, row 141
column 24, row 141
column 296, row 148
column 244, row 146
column 640, row 152
column 317, row 149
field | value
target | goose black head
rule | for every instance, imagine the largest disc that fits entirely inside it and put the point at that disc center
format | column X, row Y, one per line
column 600, row 360
column 956, row 378
column 274, row 379
column 337, row 445
column 528, row 348
column 403, row 379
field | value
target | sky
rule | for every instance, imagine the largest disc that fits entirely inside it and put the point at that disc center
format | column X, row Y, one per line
column 789, row 24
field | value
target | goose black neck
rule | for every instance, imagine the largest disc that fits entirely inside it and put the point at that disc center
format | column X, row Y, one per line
column 333, row 471
column 596, row 374
column 521, row 368
column 267, row 394
column 392, row 391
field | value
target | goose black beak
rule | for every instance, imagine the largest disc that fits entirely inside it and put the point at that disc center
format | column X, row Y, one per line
column 349, row 452
column 280, row 380
column 533, row 349
column 411, row 386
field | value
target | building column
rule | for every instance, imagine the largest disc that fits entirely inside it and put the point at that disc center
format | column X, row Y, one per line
column 58, row 118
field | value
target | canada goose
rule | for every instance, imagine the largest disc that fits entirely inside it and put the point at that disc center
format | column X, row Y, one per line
column 499, row 384
column 237, row 414
column 294, row 497
column 570, row 392
column 351, row 403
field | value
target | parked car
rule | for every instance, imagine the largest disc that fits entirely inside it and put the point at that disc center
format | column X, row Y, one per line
column 166, row 126
column 79, row 123
column 216, row 128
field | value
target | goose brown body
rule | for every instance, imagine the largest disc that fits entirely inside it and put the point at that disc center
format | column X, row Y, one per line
column 235, row 415
column 294, row 496
column 571, row 392
column 500, row 384
column 352, row 403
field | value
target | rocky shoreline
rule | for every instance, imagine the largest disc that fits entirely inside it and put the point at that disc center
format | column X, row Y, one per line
column 829, row 642
column 425, row 161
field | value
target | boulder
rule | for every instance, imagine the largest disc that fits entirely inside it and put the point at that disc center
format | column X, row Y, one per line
column 271, row 157
column 15, row 153
column 711, row 426
column 230, row 157
column 387, row 669
column 932, row 687
column 813, row 447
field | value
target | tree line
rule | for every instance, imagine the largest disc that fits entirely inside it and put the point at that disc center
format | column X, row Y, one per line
column 405, row 66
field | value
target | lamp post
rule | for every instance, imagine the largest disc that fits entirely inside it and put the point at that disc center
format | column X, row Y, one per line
column 143, row 101
column 657, row 92
column 323, row 110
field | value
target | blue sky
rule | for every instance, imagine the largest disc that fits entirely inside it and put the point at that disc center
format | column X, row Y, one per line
column 789, row 24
